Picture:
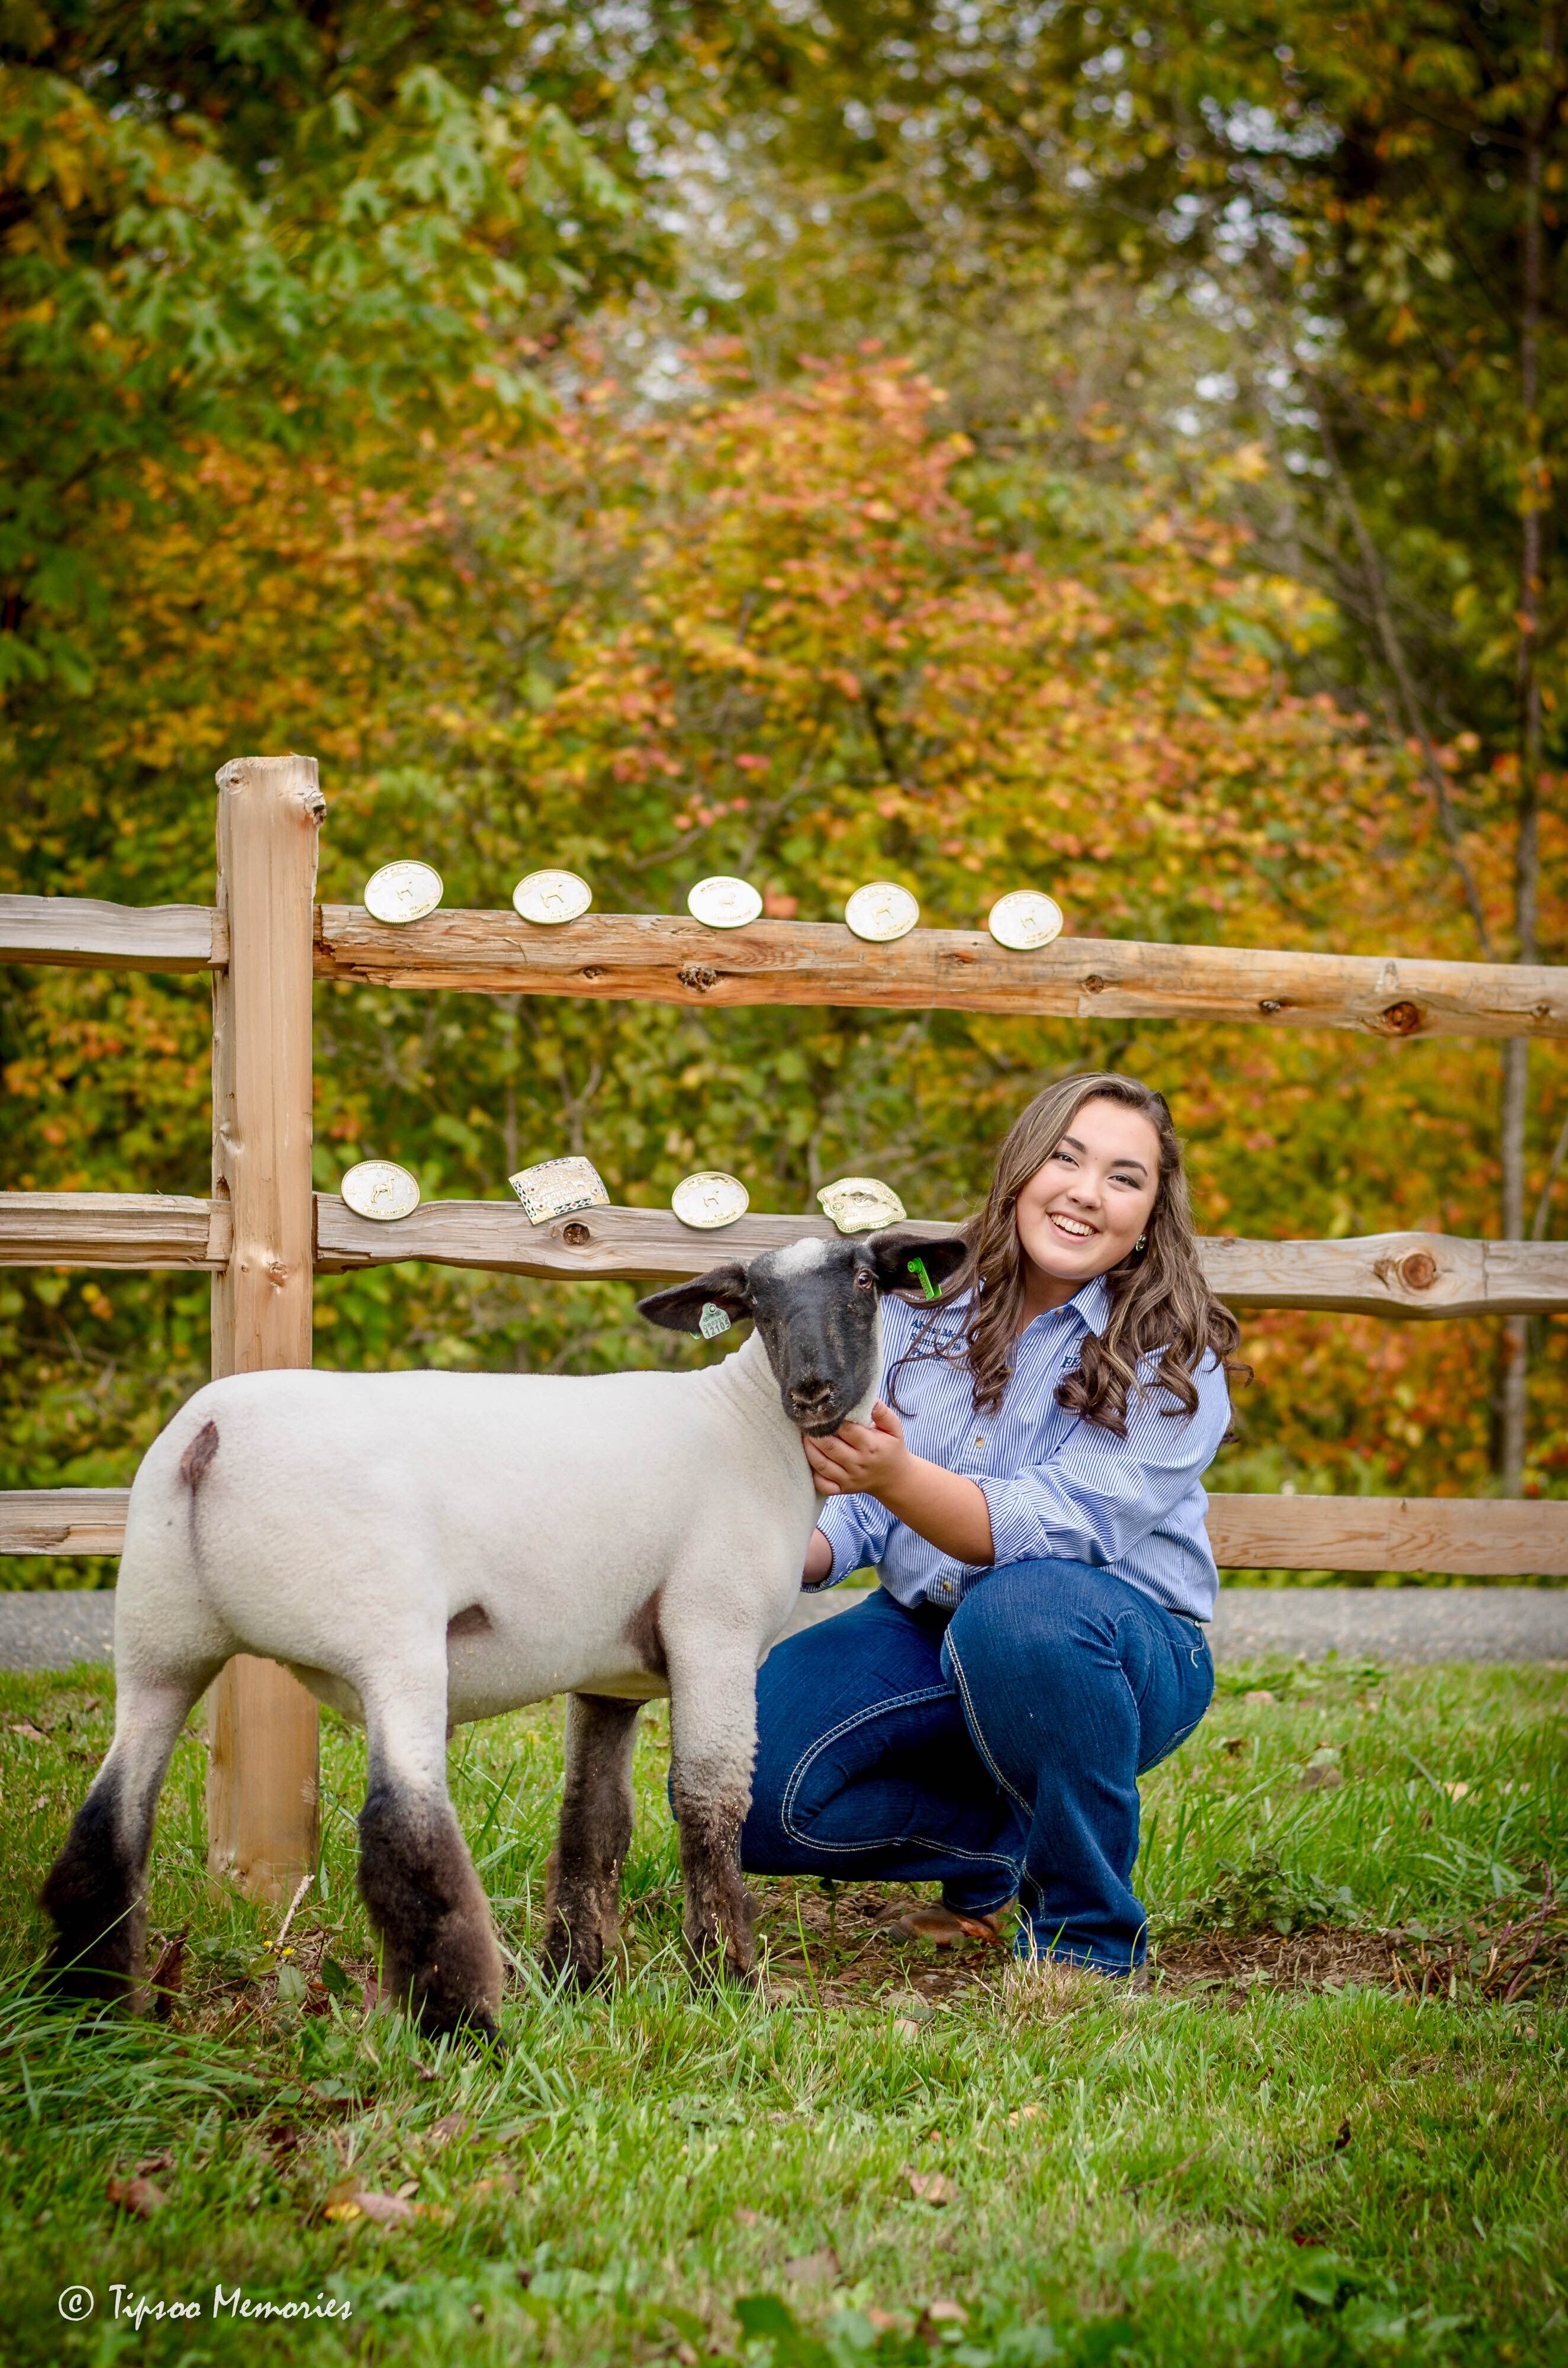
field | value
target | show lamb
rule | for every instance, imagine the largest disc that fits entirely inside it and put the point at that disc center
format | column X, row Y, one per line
column 426, row 1548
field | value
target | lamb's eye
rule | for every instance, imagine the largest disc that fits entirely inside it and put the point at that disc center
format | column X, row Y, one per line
column 863, row 1281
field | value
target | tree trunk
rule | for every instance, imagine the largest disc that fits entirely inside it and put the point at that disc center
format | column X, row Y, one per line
column 1527, row 861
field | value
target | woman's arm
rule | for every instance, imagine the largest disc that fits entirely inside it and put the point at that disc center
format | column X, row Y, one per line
column 1099, row 1495
column 870, row 1459
column 819, row 1560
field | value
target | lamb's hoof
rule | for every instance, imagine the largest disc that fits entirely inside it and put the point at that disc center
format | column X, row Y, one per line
column 585, row 1968
column 83, row 1980
column 438, row 2019
column 74, row 1989
column 718, row 1965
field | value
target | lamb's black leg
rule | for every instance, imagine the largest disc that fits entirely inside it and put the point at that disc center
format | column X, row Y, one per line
column 93, row 1892
column 428, row 1908
column 439, row 1955
column 583, row 1895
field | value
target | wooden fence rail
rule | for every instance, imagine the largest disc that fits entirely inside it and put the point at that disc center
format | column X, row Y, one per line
column 1419, row 1275
column 658, row 958
column 1488, row 1538
column 82, row 933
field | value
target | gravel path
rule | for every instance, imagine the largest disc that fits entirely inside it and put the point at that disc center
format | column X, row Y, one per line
column 1378, row 1623
column 1405, row 1623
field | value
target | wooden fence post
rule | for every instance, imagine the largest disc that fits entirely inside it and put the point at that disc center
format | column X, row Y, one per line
column 262, row 1776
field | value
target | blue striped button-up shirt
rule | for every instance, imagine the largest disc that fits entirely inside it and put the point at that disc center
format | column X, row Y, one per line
column 1055, row 1484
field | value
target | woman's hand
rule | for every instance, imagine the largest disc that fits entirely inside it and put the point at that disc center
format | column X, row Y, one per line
column 869, row 1459
column 862, row 1458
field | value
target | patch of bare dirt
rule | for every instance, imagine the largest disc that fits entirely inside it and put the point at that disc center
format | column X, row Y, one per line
column 840, row 1951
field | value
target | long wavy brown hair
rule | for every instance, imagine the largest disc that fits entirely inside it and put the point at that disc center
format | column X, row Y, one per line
column 1160, row 1304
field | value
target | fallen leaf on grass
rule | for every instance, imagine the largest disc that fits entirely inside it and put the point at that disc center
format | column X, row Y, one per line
column 1455, row 1791
column 884, row 2320
column 930, row 2186
column 903, row 2028
column 155, row 2162
column 366, row 2203
column 1234, row 1744
column 1324, row 1779
column 136, row 2195
column 1026, row 2113
column 818, row 2268
column 746, row 2216
column 941, row 2311
column 503, row 2183
column 26, row 1730
column 448, row 2129
column 387, row 2211
column 1260, row 1698
column 933, row 1923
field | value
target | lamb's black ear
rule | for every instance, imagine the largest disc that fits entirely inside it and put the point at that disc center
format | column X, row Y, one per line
column 679, row 1309
column 895, row 1252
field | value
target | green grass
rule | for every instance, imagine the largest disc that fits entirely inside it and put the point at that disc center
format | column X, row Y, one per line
column 1226, row 2169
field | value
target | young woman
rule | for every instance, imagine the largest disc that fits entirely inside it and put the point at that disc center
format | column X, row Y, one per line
column 1030, row 1487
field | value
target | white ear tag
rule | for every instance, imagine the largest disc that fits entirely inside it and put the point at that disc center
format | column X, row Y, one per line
column 712, row 1321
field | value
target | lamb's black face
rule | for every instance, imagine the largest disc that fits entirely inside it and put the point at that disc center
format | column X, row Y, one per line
column 815, row 1304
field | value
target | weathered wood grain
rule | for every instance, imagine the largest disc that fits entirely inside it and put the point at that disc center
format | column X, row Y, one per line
column 1387, row 1274
column 85, row 933
column 148, row 1230
column 262, row 1783
column 1449, row 1535
column 1419, row 1275
column 666, row 959
column 62, row 1521
column 1478, row 1538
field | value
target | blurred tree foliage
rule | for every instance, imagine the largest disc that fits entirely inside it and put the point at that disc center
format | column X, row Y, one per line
column 1351, row 221
column 720, row 582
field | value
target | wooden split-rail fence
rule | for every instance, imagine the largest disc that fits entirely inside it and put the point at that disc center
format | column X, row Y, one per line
column 263, row 1233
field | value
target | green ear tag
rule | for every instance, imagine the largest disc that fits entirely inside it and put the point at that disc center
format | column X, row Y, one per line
column 918, row 1267
column 712, row 1320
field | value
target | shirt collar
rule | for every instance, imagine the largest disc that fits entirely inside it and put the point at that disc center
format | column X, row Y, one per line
column 1090, row 1305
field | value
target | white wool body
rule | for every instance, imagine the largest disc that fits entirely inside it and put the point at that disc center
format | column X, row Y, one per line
column 347, row 1519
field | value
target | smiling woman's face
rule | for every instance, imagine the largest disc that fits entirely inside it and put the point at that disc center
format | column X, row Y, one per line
column 1085, row 1210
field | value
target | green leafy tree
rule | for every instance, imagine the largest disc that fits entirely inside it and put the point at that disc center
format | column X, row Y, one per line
column 263, row 223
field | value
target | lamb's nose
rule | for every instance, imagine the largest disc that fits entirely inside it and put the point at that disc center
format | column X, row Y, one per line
column 810, row 1394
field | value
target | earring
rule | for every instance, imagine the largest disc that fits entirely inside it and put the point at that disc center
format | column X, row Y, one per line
column 1142, row 1243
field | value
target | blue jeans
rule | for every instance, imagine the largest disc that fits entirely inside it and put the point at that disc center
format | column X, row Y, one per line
column 994, row 1752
